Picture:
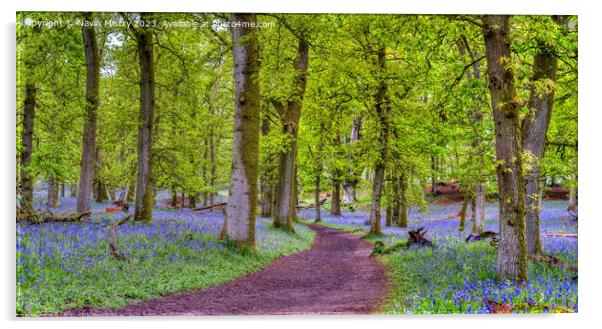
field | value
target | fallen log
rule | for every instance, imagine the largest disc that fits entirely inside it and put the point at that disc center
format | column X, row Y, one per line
column 311, row 206
column 483, row 236
column 553, row 261
column 417, row 238
column 221, row 204
column 566, row 235
column 49, row 217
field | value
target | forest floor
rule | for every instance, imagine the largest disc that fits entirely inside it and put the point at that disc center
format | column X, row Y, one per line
column 335, row 276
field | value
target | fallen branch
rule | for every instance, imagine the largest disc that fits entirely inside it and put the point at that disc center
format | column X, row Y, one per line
column 553, row 261
column 221, row 204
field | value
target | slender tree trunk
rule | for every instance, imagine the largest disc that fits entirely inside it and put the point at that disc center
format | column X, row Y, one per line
column 512, row 247
column 335, row 198
column 131, row 191
column 240, row 214
column 349, row 185
column 477, row 206
column 52, row 200
column 317, row 195
column 534, row 131
column 29, row 109
column 433, row 176
column 403, row 200
column 88, row 161
column 463, row 212
column 192, row 200
column 285, row 189
column 382, row 111
column 174, row 197
column 73, row 190
column 144, row 185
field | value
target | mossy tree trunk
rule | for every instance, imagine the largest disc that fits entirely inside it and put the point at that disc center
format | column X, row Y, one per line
column 285, row 188
column 242, row 203
column 512, row 247
column 534, row 131
column 144, row 186
column 382, row 113
column 88, row 161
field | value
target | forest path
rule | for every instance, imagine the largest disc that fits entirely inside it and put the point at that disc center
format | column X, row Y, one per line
column 335, row 276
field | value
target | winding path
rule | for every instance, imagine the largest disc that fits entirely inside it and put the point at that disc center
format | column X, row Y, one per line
column 335, row 276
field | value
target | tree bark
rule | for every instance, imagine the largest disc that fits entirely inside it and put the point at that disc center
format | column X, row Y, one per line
column 512, row 247
column 317, row 196
column 29, row 110
column 534, row 131
column 52, row 198
column 88, row 162
column 335, row 198
column 240, row 213
column 477, row 207
column 463, row 212
column 403, row 201
column 143, row 206
column 284, row 208
column 349, row 185
column 382, row 112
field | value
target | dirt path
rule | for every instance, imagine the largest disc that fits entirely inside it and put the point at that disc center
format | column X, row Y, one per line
column 335, row 276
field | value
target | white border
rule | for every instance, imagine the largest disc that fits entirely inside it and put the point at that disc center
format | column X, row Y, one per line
column 590, row 107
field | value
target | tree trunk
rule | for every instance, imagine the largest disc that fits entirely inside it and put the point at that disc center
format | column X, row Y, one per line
column 382, row 111
column 463, row 212
column 317, row 196
column 73, row 190
column 240, row 213
column 433, row 176
column 534, row 131
column 403, row 201
column 335, row 198
column 143, row 207
column 88, row 162
column 29, row 108
column 192, row 200
column 477, row 207
column 349, row 185
column 512, row 247
column 174, row 197
column 131, row 191
column 283, row 216
column 52, row 199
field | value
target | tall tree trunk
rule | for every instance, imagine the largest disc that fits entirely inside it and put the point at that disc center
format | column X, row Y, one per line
column 382, row 112
column 285, row 188
column 463, row 212
column 73, row 190
column 143, row 208
column 88, row 162
column 349, row 185
column 512, row 247
column 534, row 131
column 403, row 200
column 240, row 214
column 131, row 191
column 192, row 200
column 266, row 185
column 29, row 110
column 335, row 198
column 477, row 207
column 52, row 199
column 317, row 195
column 433, row 176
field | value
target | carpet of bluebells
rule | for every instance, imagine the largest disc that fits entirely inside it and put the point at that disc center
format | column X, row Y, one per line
column 456, row 277
column 68, row 265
